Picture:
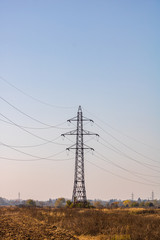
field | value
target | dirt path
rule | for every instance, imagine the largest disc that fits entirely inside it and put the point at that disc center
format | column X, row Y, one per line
column 16, row 226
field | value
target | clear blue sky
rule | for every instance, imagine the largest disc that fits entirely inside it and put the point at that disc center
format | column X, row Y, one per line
column 102, row 55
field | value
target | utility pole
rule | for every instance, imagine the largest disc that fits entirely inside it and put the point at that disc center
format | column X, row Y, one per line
column 79, row 191
column 19, row 198
column 152, row 195
column 132, row 196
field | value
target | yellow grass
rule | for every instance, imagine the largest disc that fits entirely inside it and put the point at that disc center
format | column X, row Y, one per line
column 82, row 224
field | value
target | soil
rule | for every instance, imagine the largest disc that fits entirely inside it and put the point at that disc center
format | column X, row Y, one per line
column 17, row 226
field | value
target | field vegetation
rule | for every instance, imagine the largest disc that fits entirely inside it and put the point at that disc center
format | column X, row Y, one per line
column 76, row 223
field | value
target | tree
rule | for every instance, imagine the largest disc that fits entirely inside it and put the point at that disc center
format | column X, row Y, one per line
column 97, row 204
column 86, row 204
column 30, row 203
column 149, row 204
column 68, row 203
column 142, row 204
column 134, row 204
column 60, row 202
column 127, row 203
column 107, row 205
column 114, row 205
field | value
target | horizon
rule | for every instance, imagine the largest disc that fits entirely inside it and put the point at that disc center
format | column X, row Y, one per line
column 96, row 199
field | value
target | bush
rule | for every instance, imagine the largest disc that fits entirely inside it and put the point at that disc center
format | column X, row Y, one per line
column 30, row 203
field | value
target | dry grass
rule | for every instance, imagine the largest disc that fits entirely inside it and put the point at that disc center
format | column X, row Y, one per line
column 92, row 224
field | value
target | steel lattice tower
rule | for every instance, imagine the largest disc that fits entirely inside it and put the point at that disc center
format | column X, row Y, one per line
column 79, row 191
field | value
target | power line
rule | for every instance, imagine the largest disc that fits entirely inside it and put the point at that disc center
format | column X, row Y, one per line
column 123, row 134
column 149, row 166
column 31, row 155
column 33, row 98
column 37, row 128
column 25, row 114
column 116, row 150
column 123, row 154
column 142, row 155
column 36, row 136
column 114, row 174
column 35, row 160
column 120, row 167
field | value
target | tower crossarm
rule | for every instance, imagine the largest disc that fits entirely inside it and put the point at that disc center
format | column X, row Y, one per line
column 83, row 119
column 74, row 132
column 85, row 147
column 85, row 132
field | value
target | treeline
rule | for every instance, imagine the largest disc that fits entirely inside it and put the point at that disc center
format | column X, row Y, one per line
column 65, row 203
column 113, row 204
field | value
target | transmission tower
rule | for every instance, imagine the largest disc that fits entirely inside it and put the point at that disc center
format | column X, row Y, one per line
column 132, row 196
column 152, row 195
column 79, row 191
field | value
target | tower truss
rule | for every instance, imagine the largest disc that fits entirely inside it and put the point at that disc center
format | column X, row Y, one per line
column 79, row 191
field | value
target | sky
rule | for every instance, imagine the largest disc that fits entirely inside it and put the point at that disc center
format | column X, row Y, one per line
column 57, row 55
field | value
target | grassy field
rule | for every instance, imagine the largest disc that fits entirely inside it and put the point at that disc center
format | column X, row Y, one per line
column 72, row 224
